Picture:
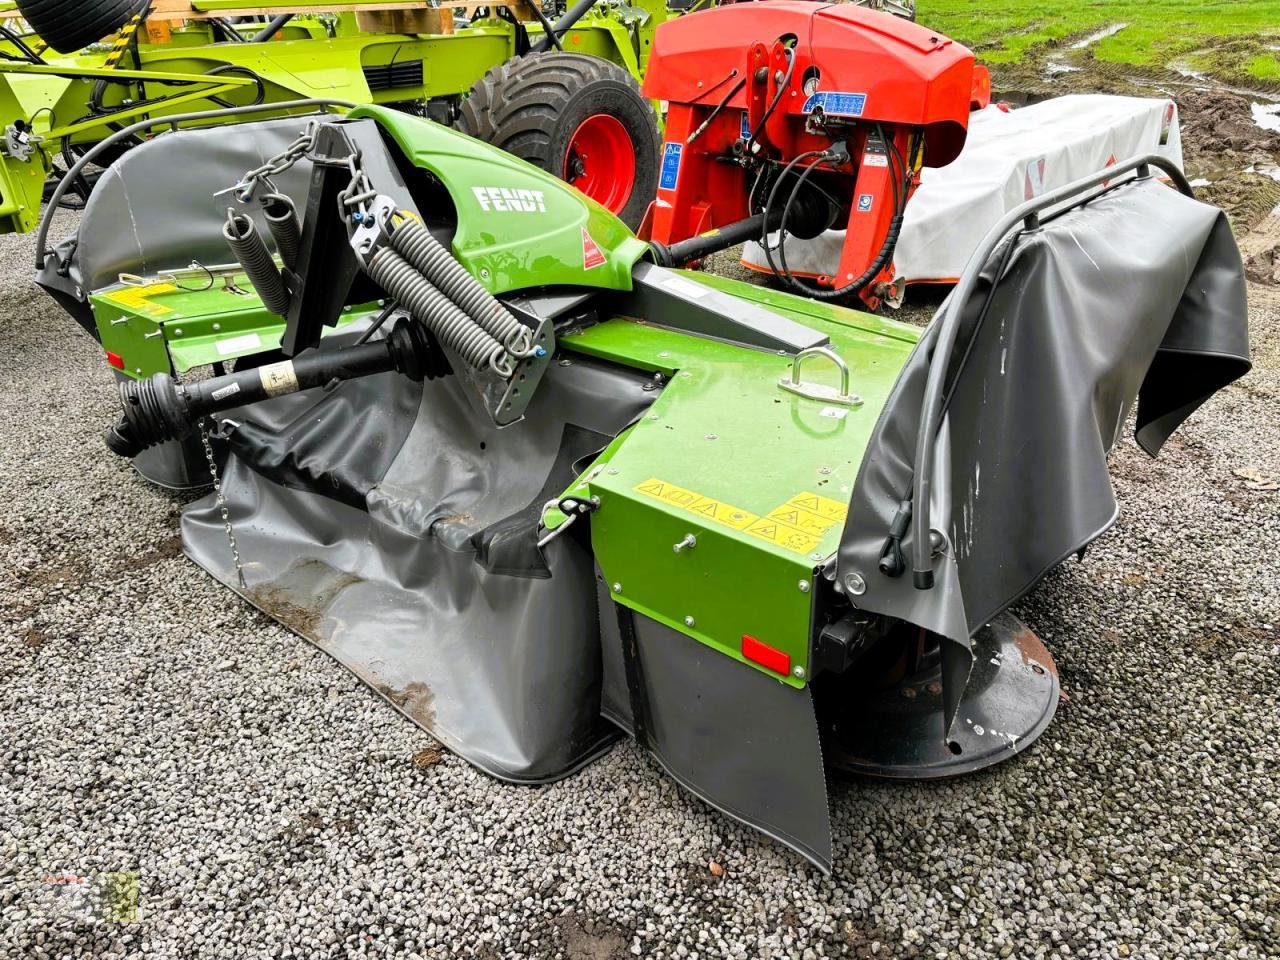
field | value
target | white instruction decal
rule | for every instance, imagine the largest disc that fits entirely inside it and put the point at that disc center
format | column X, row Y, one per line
column 685, row 288
column 278, row 378
column 250, row 341
column 230, row 390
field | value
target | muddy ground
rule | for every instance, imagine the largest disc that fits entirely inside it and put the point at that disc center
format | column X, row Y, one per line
column 1232, row 159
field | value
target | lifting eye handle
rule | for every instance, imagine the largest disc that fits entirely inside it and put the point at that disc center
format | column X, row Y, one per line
column 817, row 391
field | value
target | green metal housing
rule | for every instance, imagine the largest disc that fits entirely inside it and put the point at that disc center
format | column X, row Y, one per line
column 751, row 479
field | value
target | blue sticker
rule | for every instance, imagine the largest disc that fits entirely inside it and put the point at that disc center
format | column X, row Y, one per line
column 837, row 104
column 745, row 128
column 670, row 165
column 864, row 202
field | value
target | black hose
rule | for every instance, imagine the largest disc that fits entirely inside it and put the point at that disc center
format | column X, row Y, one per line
column 567, row 20
column 901, row 193
column 10, row 35
column 782, row 89
column 274, row 27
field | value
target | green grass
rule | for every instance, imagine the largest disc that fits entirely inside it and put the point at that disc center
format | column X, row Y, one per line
column 1230, row 39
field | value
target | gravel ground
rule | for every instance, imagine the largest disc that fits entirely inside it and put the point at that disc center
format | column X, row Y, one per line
column 271, row 806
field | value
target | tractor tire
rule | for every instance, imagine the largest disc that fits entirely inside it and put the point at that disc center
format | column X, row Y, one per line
column 578, row 117
column 69, row 25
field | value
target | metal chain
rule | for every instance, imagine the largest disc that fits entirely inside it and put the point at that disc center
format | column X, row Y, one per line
column 299, row 148
column 355, row 198
column 221, row 500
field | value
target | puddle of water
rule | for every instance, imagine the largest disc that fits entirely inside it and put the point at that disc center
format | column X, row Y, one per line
column 1271, row 170
column 1199, row 182
column 1200, row 82
column 1184, row 70
column 1056, row 68
column 1102, row 34
column 1266, row 115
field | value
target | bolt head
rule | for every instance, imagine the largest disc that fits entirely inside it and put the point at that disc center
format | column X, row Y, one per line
column 854, row 585
column 804, row 586
column 798, row 673
column 688, row 621
column 617, row 588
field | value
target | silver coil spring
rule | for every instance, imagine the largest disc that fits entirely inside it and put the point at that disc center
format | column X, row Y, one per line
column 282, row 220
column 251, row 251
column 457, row 331
column 414, row 242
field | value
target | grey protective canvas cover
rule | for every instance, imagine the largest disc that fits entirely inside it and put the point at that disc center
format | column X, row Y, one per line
column 1140, row 293
column 394, row 526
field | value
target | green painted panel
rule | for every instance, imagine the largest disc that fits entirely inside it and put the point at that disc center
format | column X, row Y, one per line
column 758, row 476
column 159, row 327
column 518, row 226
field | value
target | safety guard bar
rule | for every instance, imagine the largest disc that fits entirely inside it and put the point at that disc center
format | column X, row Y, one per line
column 60, row 191
column 1028, row 215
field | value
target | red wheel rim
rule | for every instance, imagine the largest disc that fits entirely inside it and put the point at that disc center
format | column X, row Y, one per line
column 601, row 161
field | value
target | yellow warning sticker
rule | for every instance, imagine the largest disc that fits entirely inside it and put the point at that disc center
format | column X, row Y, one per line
column 715, row 511
column 787, row 537
column 800, row 524
column 802, row 519
column 833, row 510
column 139, row 298
column 797, row 525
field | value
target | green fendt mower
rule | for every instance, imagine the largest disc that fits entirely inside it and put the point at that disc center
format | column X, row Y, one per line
column 540, row 487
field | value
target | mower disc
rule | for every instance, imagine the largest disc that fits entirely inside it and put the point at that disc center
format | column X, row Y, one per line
column 899, row 731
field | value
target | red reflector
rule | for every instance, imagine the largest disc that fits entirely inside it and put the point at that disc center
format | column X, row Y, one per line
column 765, row 655
column 115, row 360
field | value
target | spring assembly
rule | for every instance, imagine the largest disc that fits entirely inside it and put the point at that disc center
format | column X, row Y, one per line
column 251, row 250
column 443, row 317
column 414, row 242
column 282, row 220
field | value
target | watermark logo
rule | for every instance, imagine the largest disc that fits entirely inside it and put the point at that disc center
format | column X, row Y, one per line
column 109, row 897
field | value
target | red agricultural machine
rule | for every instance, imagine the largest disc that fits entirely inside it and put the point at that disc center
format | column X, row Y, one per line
column 790, row 118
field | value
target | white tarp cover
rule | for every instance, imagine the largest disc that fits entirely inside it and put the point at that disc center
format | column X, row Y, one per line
column 1008, row 158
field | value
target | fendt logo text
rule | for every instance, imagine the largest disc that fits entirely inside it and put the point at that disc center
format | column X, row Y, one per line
column 506, row 200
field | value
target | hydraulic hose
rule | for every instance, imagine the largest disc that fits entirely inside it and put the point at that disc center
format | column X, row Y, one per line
column 251, row 251
column 163, row 409
column 282, row 221
column 561, row 26
column 415, row 243
column 457, row 331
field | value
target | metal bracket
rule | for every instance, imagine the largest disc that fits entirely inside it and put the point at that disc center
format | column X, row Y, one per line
column 17, row 143
column 819, row 391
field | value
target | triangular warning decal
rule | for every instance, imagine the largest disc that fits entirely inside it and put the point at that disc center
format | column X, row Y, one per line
column 592, row 255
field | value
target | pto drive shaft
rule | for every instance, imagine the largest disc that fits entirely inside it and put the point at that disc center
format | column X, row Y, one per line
column 163, row 409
